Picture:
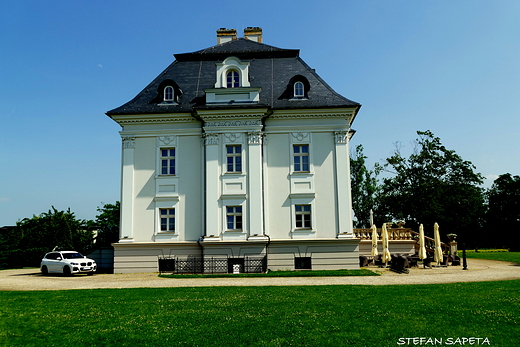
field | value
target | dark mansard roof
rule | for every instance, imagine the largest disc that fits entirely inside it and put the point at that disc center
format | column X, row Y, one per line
column 270, row 68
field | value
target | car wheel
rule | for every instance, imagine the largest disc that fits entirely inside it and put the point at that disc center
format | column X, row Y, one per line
column 45, row 272
column 66, row 271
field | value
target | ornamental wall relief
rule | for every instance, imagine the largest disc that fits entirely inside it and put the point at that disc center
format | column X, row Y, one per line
column 128, row 142
column 300, row 137
column 168, row 140
column 255, row 138
column 341, row 136
column 232, row 123
column 210, row 139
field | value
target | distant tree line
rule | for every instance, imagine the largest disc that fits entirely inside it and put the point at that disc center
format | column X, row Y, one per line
column 25, row 244
column 434, row 184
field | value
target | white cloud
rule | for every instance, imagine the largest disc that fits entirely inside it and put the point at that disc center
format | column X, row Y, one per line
column 5, row 199
column 100, row 66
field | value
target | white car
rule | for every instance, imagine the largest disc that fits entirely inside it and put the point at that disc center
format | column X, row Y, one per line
column 67, row 263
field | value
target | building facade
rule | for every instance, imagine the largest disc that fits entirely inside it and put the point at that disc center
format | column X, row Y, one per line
column 234, row 151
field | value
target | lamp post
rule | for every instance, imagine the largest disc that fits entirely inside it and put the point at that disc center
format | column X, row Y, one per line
column 464, row 262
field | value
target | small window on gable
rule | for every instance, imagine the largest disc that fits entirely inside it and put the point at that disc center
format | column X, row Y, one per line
column 233, row 79
column 299, row 90
column 168, row 94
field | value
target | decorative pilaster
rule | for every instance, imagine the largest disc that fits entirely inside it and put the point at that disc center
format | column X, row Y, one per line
column 211, row 141
column 127, row 190
column 255, row 173
column 343, row 191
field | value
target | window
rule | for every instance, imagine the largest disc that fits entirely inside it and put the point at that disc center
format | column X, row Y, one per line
column 234, row 158
column 168, row 94
column 299, row 91
column 301, row 158
column 234, row 217
column 167, row 219
column 302, row 263
column 168, row 161
column 233, row 81
column 303, row 216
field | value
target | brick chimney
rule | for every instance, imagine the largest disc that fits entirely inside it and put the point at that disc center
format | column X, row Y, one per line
column 226, row 35
column 253, row 34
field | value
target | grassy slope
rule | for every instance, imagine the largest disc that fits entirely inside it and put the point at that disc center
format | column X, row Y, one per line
column 513, row 257
column 261, row 316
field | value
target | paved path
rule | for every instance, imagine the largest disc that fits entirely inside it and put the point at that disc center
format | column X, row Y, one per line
column 478, row 270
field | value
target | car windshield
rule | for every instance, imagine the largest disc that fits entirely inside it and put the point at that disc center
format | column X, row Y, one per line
column 72, row 255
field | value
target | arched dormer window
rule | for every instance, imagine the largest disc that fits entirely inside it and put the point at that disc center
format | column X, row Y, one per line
column 233, row 79
column 232, row 73
column 168, row 94
column 299, row 90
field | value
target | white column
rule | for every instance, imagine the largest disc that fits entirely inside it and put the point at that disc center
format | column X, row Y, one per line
column 343, row 191
column 255, row 184
column 126, row 233
column 211, row 142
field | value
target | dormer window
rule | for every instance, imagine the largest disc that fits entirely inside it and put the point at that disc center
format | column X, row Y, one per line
column 168, row 94
column 232, row 73
column 233, row 79
column 299, row 90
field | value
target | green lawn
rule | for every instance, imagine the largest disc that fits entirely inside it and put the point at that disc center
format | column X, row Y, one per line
column 502, row 255
column 262, row 316
column 310, row 273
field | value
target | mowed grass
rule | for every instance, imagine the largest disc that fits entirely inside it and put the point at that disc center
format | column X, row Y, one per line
column 262, row 316
column 502, row 255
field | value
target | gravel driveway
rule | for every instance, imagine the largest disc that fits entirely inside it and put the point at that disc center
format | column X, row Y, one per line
column 478, row 270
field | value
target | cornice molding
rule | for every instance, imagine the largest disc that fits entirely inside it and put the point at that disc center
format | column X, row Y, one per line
column 314, row 113
column 147, row 118
column 227, row 114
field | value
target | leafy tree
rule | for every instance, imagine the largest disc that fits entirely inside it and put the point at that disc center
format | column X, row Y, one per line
column 107, row 223
column 364, row 186
column 33, row 237
column 503, row 215
column 434, row 184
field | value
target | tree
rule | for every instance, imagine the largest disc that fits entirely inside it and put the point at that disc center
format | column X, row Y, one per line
column 107, row 223
column 364, row 186
column 503, row 215
column 33, row 237
column 434, row 184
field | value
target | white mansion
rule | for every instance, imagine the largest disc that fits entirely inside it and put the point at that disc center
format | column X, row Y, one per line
column 237, row 151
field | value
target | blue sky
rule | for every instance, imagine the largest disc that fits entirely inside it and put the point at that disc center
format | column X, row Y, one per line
column 452, row 67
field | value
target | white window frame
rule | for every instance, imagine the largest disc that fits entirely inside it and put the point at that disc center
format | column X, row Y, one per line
column 168, row 216
column 234, row 214
column 169, row 90
column 234, row 155
column 298, row 95
column 303, row 200
column 300, row 155
column 168, row 158
column 300, row 211
column 233, row 83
